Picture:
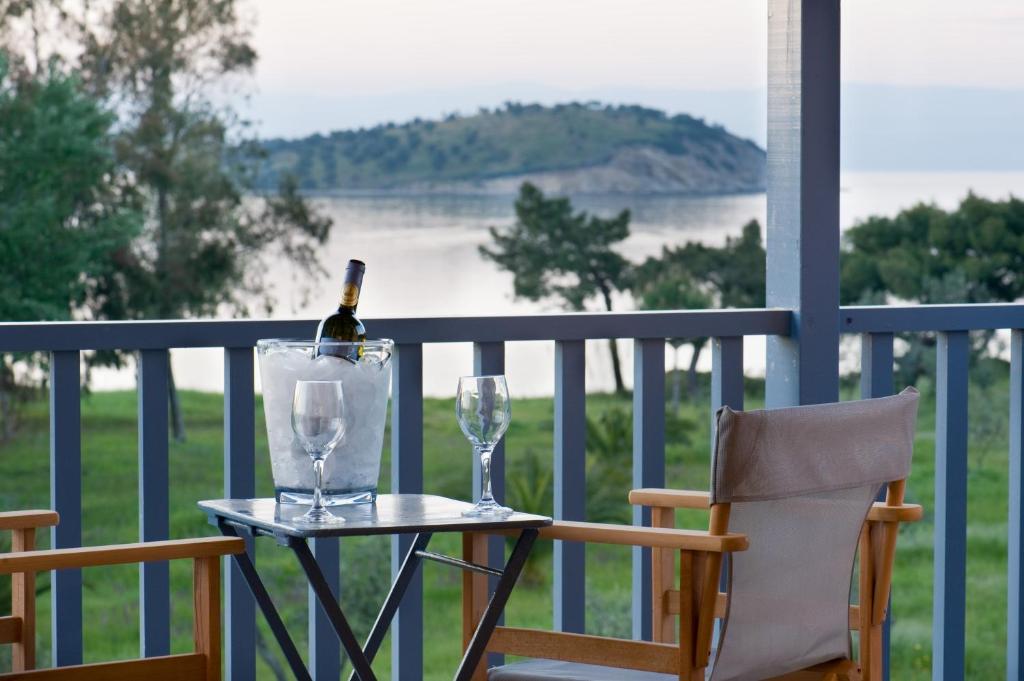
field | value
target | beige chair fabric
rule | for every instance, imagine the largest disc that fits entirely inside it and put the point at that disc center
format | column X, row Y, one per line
column 801, row 481
column 779, row 453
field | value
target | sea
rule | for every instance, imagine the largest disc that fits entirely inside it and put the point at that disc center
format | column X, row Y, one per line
column 422, row 256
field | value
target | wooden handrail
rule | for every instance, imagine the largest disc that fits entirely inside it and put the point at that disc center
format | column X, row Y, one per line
column 901, row 513
column 587, row 649
column 673, row 498
column 10, row 629
column 57, row 559
column 166, row 668
column 23, row 520
column 655, row 537
column 670, row 498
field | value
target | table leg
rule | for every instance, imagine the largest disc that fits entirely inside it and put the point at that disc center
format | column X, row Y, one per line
column 489, row 620
column 329, row 603
column 390, row 607
column 259, row 592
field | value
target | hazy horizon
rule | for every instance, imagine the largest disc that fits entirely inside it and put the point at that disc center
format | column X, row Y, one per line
column 946, row 93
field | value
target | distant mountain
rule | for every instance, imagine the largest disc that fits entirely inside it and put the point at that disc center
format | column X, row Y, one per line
column 567, row 148
column 884, row 127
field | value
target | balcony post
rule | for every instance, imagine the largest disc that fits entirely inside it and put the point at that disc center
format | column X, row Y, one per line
column 154, row 507
column 950, row 584
column 570, row 489
column 239, row 483
column 66, row 499
column 1015, row 544
column 407, row 478
column 648, row 463
column 489, row 360
column 803, row 199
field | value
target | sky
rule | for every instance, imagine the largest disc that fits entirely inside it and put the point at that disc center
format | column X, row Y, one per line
column 331, row 64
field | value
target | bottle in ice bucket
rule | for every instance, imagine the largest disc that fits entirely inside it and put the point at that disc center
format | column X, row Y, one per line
column 343, row 325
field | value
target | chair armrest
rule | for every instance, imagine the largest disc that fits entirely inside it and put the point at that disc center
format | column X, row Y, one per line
column 670, row 498
column 91, row 556
column 904, row 513
column 23, row 520
column 654, row 537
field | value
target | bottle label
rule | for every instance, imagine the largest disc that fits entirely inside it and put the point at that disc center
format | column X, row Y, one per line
column 350, row 295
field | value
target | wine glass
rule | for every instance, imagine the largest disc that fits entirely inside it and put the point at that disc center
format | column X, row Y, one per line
column 318, row 411
column 483, row 409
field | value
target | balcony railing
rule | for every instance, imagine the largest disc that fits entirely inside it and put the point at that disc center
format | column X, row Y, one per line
column 728, row 328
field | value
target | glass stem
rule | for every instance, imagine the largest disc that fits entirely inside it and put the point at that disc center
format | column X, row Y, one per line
column 318, row 480
column 485, row 470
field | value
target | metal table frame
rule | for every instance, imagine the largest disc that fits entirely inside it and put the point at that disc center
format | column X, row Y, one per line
column 362, row 657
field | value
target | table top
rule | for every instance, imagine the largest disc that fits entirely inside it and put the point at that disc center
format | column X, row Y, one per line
column 390, row 514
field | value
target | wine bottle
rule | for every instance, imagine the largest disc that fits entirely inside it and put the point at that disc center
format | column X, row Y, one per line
column 343, row 325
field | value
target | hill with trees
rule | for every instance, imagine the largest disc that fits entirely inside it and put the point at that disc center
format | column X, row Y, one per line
column 573, row 148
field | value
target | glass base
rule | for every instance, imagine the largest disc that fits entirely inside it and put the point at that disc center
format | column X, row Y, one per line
column 318, row 518
column 487, row 508
column 305, row 497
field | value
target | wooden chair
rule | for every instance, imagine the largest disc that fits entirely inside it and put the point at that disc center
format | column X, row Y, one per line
column 24, row 562
column 792, row 499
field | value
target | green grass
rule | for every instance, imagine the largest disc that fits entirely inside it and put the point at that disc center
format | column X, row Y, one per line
column 109, row 458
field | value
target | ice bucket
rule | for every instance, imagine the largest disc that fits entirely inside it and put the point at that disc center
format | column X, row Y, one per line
column 351, row 472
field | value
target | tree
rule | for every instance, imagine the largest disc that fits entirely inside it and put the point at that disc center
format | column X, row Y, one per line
column 553, row 252
column 698, row 276
column 663, row 284
column 62, row 199
column 203, row 247
column 979, row 244
column 924, row 254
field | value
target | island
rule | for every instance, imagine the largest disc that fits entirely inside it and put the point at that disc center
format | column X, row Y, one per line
column 575, row 148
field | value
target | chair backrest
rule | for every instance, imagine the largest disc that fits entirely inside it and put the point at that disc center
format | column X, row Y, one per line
column 800, row 482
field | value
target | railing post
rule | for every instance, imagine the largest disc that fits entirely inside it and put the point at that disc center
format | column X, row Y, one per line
column 407, row 477
column 570, row 493
column 648, row 462
column 726, row 375
column 239, row 483
column 324, row 648
column 489, row 360
column 66, row 499
column 803, row 199
column 1015, row 558
column 154, row 521
column 948, row 628
column 876, row 363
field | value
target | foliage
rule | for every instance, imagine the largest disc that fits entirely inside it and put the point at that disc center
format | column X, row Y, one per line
column 555, row 253
column 924, row 254
column 204, row 243
column 972, row 254
column 512, row 140
column 697, row 276
column 64, row 208
column 530, row 489
column 158, row 64
column 610, row 460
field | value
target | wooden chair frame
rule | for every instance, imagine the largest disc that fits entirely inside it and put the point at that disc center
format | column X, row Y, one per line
column 24, row 562
column 683, row 618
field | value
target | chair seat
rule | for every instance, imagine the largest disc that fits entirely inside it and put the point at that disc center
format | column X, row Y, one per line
column 551, row 670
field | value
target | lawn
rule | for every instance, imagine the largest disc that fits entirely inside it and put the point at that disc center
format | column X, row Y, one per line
column 109, row 451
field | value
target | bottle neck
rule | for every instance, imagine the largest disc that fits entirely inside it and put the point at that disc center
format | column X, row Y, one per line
column 349, row 297
column 351, row 287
